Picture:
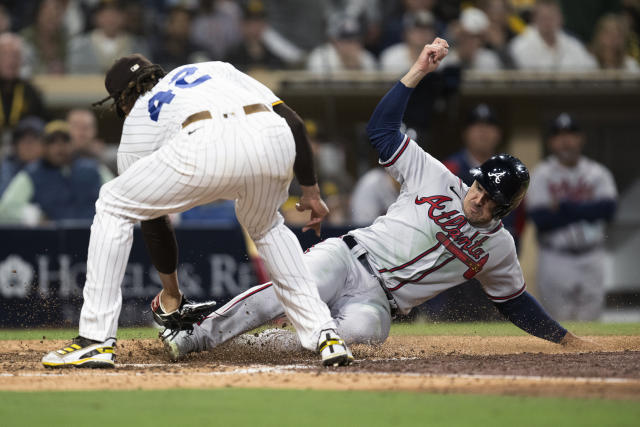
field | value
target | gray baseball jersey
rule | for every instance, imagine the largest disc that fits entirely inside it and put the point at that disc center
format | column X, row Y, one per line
column 424, row 244
column 571, row 258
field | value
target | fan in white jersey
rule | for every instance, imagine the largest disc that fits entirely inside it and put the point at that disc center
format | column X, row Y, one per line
column 197, row 134
column 438, row 234
column 571, row 200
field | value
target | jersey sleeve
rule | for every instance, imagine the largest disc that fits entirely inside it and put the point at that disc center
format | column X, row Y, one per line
column 606, row 185
column 504, row 281
column 252, row 85
column 538, row 195
column 414, row 168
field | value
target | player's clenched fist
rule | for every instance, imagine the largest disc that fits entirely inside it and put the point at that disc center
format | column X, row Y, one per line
column 427, row 62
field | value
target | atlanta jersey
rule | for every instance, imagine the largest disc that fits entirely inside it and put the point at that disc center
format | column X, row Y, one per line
column 424, row 244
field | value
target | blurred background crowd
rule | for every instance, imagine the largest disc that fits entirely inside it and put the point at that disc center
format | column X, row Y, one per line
column 54, row 156
column 322, row 37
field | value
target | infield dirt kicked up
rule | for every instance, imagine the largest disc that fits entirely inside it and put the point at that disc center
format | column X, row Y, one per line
column 443, row 364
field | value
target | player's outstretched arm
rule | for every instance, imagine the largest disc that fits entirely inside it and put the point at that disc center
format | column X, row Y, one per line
column 304, row 170
column 383, row 128
column 526, row 313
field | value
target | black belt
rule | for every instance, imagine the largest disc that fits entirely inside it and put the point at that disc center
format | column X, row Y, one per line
column 351, row 243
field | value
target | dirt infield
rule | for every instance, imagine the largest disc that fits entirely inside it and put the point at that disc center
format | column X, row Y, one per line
column 486, row 365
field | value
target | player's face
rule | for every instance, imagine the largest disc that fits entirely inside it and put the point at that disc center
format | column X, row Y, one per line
column 477, row 206
column 567, row 146
column 482, row 139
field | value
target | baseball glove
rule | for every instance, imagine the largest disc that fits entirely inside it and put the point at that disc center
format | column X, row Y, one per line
column 184, row 317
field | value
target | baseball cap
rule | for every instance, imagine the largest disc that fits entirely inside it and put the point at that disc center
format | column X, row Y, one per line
column 421, row 19
column 122, row 72
column 482, row 113
column 563, row 123
column 343, row 26
column 56, row 129
column 474, row 21
column 31, row 124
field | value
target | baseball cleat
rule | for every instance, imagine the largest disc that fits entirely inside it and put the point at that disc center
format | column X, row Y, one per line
column 333, row 349
column 177, row 344
column 82, row 353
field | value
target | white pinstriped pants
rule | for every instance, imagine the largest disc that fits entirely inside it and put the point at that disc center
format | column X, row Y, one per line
column 247, row 158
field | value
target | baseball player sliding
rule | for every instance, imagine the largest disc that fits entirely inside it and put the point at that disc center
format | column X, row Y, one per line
column 200, row 133
column 438, row 234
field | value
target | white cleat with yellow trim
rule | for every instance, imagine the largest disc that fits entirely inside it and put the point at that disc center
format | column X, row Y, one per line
column 333, row 350
column 83, row 353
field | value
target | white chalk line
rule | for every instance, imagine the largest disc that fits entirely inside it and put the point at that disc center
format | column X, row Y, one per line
column 294, row 369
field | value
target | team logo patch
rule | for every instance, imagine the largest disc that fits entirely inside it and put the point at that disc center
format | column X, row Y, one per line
column 497, row 176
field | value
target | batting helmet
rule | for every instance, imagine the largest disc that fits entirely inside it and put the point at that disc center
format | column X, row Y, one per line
column 505, row 178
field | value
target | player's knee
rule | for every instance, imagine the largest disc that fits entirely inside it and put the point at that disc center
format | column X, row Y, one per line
column 368, row 325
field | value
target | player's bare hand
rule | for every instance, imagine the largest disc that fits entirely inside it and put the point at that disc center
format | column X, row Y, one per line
column 428, row 60
column 311, row 200
column 573, row 342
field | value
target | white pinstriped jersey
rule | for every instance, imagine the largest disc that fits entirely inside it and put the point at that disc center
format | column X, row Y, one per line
column 424, row 244
column 553, row 183
column 157, row 115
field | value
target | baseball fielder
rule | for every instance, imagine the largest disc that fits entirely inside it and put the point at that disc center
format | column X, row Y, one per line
column 439, row 233
column 202, row 132
column 571, row 200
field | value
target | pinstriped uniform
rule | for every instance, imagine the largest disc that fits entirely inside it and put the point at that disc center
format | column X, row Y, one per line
column 166, row 168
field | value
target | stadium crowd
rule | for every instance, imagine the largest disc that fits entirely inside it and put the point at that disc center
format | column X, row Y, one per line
column 320, row 36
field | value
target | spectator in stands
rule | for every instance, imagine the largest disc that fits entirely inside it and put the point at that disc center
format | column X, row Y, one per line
column 26, row 148
column 545, row 46
column 46, row 39
column 419, row 29
column 58, row 187
column 301, row 22
column 254, row 51
column 5, row 20
column 468, row 51
column 216, row 27
column 503, row 27
column 83, row 131
column 344, row 51
column 96, row 51
column 174, row 47
column 631, row 19
column 609, row 45
column 394, row 22
column 19, row 97
column 571, row 199
column 481, row 137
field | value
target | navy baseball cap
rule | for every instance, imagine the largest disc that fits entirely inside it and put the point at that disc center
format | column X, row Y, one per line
column 564, row 122
column 29, row 125
column 482, row 113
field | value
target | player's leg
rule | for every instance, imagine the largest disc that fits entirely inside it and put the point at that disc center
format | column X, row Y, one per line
column 266, row 189
column 557, row 282
column 259, row 304
column 591, row 303
column 164, row 182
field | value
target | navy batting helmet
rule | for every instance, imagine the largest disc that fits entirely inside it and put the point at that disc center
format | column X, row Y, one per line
column 505, row 178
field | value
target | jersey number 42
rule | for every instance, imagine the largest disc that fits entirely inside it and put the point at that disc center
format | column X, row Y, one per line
column 179, row 81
